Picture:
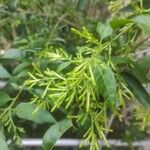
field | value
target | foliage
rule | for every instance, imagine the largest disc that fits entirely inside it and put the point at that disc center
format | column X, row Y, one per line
column 88, row 74
column 3, row 144
column 55, row 132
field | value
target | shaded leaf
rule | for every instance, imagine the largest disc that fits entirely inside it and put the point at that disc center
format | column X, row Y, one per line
column 118, row 23
column 148, row 75
column 139, row 72
column 23, row 73
column 81, row 5
column 4, row 98
column 103, row 30
column 121, row 60
column 106, row 83
column 142, row 20
column 54, row 133
column 136, row 88
column 4, row 73
column 144, row 63
column 21, row 67
column 3, row 143
column 62, row 66
column 33, row 113
column 12, row 54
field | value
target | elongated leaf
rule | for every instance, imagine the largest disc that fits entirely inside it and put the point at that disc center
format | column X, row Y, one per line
column 137, row 89
column 3, row 143
column 106, row 82
column 23, row 73
column 33, row 113
column 4, row 98
column 121, row 60
column 81, row 5
column 12, row 54
column 142, row 20
column 21, row 67
column 139, row 72
column 54, row 133
column 4, row 73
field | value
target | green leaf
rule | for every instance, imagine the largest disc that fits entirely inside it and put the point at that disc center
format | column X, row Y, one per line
column 136, row 88
column 4, row 73
column 23, row 73
column 106, row 82
column 4, row 98
column 62, row 66
column 121, row 60
column 118, row 23
column 81, row 5
column 148, row 75
column 144, row 63
column 33, row 113
column 54, row 133
column 142, row 20
column 3, row 143
column 21, row 67
column 12, row 54
column 104, row 30
column 139, row 72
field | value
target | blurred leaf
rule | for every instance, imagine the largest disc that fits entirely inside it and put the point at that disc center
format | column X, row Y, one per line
column 139, row 72
column 104, row 30
column 33, row 113
column 136, row 88
column 146, row 4
column 15, row 86
column 21, row 67
column 23, row 73
column 62, row 66
column 81, row 5
column 12, row 54
column 3, row 143
column 4, row 98
column 37, row 91
column 54, row 133
column 144, row 63
column 142, row 20
column 118, row 23
column 106, row 83
column 121, row 60
column 4, row 73
column 148, row 75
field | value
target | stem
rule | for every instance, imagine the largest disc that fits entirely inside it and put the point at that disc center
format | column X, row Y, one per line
column 10, row 106
column 123, row 31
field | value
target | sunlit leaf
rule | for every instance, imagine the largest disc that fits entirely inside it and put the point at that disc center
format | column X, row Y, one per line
column 33, row 113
